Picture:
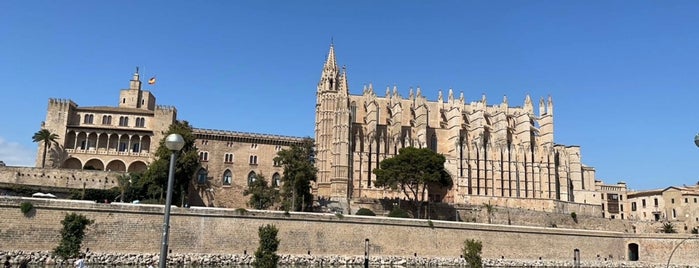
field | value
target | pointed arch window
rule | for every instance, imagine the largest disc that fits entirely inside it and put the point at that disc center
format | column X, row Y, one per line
column 251, row 177
column 202, row 176
column 227, row 177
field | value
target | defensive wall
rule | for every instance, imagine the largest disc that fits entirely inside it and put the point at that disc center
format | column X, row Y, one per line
column 129, row 228
column 50, row 179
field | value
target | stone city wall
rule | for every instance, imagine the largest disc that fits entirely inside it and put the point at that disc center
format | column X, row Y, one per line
column 129, row 228
column 49, row 179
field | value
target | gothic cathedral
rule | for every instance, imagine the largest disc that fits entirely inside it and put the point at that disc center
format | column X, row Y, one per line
column 491, row 150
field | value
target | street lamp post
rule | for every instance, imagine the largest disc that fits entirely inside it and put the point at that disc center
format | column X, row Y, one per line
column 174, row 142
column 366, row 253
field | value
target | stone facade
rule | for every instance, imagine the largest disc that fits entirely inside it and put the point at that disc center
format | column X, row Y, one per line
column 104, row 137
column 676, row 205
column 614, row 200
column 124, row 139
column 491, row 150
column 231, row 161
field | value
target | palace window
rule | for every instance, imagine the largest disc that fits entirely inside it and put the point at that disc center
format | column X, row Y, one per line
column 253, row 146
column 276, row 180
column 655, row 200
column 643, row 203
column 204, row 156
column 686, row 200
column 228, row 158
column 204, row 142
column 202, row 176
column 672, row 200
column 140, row 122
column 123, row 121
column 253, row 160
column 251, row 177
column 227, row 177
column 277, row 163
column 278, row 148
column 106, row 120
column 122, row 146
column 633, row 206
column 88, row 119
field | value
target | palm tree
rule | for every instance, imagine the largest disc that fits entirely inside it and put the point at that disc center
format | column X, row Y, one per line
column 490, row 209
column 124, row 184
column 47, row 138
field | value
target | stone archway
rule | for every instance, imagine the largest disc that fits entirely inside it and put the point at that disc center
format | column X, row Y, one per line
column 116, row 165
column 94, row 164
column 137, row 166
column 72, row 163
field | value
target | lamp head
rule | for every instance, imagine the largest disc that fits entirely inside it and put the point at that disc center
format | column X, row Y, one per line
column 174, row 142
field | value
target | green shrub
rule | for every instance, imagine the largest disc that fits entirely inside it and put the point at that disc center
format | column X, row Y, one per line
column 365, row 212
column 26, row 207
column 339, row 215
column 430, row 224
column 72, row 235
column 266, row 254
column 398, row 213
column 472, row 253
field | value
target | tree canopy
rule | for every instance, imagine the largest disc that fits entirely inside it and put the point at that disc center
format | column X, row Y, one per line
column 154, row 181
column 47, row 138
column 263, row 196
column 413, row 171
column 299, row 172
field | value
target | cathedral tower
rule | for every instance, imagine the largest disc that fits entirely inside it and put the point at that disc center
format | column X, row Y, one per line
column 332, row 130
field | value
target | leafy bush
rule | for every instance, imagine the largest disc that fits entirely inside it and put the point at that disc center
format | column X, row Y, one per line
column 339, row 215
column 266, row 255
column 472, row 253
column 574, row 216
column 26, row 207
column 398, row 213
column 365, row 212
column 72, row 235
column 430, row 224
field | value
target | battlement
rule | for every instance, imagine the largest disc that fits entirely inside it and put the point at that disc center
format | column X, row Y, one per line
column 166, row 108
column 61, row 102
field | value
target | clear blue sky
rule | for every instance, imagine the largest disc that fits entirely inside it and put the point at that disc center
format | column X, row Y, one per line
column 624, row 75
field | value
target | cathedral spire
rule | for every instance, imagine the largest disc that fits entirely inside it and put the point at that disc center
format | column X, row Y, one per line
column 331, row 74
column 330, row 63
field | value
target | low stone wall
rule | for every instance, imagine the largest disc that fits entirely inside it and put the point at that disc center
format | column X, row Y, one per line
column 137, row 229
